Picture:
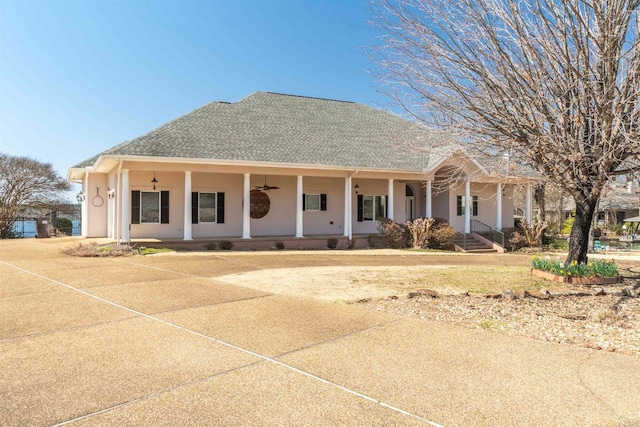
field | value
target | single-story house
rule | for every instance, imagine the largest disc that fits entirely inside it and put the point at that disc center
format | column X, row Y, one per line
column 293, row 166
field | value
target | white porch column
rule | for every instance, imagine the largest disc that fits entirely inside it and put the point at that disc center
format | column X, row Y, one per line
column 347, row 205
column 467, row 206
column 390, row 200
column 427, row 207
column 499, row 206
column 187, row 206
column 126, row 206
column 299, row 206
column 527, row 204
column 111, row 211
column 84, row 228
column 246, row 218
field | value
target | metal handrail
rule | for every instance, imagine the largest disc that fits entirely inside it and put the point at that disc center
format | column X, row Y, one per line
column 488, row 232
column 461, row 238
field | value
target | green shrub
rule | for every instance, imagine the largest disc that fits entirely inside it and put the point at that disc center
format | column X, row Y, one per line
column 225, row 245
column 567, row 226
column 279, row 245
column 332, row 243
column 211, row 246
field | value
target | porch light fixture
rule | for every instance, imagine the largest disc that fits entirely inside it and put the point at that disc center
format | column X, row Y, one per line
column 356, row 186
column 154, row 181
column 111, row 192
column 80, row 197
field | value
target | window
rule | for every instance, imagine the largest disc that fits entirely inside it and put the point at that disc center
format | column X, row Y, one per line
column 149, row 207
column 314, row 202
column 207, row 207
column 460, row 205
column 371, row 208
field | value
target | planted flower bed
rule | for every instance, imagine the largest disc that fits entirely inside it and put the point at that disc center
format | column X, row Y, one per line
column 596, row 272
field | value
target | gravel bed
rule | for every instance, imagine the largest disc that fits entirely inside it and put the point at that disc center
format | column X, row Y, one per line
column 608, row 322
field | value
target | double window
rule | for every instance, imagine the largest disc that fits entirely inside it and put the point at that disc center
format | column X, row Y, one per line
column 371, row 208
column 460, row 205
column 149, row 207
column 207, row 207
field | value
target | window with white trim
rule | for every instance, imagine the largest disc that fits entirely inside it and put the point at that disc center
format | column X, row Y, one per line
column 312, row 202
column 206, row 207
column 150, row 207
column 460, row 205
column 373, row 207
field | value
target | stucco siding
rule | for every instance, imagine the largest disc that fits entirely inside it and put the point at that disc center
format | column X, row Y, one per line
column 96, row 194
column 330, row 221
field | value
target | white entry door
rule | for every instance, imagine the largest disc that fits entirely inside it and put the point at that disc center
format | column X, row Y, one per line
column 410, row 205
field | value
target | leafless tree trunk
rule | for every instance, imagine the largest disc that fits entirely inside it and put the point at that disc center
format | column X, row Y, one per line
column 555, row 83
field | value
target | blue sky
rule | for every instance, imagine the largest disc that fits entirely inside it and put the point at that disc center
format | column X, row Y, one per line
column 78, row 77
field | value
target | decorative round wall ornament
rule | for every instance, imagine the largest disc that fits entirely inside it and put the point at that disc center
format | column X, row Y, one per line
column 259, row 204
column 97, row 201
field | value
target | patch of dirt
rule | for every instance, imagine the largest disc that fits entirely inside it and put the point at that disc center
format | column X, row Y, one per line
column 609, row 322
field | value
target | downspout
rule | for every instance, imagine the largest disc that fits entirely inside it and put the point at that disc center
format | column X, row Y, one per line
column 118, row 215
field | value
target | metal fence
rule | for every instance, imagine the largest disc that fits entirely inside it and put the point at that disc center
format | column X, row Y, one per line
column 55, row 223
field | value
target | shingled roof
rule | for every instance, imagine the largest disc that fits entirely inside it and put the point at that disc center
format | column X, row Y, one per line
column 287, row 129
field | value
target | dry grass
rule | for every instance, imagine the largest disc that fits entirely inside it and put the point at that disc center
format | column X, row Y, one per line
column 354, row 282
column 95, row 250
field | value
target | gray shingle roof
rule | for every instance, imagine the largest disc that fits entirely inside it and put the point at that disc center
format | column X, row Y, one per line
column 277, row 128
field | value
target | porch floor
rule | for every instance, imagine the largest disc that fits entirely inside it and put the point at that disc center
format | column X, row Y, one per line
column 361, row 241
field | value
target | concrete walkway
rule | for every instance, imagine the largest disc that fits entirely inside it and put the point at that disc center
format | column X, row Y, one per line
column 157, row 341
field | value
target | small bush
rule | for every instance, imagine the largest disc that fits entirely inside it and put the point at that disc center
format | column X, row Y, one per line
column 517, row 240
column 226, row 245
column 279, row 245
column 376, row 241
column 332, row 243
column 211, row 246
column 64, row 225
column 93, row 250
column 567, row 226
column 396, row 236
column 419, row 231
column 441, row 236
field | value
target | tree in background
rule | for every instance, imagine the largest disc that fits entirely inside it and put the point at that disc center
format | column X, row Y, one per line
column 552, row 83
column 26, row 183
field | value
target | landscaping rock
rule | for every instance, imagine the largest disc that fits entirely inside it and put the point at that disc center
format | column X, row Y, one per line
column 534, row 294
column 628, row 292
column 508, row 294
column 599, row 292
column 493, row 296
column 545, row 292
column 423, row 292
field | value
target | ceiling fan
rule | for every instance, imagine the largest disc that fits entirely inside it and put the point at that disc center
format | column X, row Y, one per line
column 265, row 187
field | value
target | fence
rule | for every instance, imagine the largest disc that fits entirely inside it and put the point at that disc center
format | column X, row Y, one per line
column 55, row 223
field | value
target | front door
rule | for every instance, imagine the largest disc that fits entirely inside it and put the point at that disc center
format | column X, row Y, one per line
column 410, row 208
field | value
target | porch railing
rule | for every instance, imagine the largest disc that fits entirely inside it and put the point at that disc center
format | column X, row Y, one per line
column 488, row 232
column 460, row 239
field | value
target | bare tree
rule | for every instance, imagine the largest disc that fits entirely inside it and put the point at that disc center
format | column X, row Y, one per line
column 553, row 83
column 26, row 183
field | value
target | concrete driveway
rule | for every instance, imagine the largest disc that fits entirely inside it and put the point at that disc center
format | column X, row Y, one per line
column 157, row 341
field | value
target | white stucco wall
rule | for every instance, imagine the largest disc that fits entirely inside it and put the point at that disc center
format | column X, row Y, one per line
column 231, row 186
column 329, row 221
column 97, row 202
